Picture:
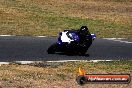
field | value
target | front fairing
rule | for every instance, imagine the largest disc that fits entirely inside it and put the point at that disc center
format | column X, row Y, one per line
column 93, row 36
column 73, row 36
column 67, row 37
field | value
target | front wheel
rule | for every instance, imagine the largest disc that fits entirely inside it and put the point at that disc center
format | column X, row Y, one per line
column 53, row 48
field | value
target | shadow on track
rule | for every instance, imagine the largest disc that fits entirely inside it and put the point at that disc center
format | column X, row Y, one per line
column 70, row 54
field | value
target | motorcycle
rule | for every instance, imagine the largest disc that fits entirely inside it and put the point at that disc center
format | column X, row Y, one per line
column 69, row 43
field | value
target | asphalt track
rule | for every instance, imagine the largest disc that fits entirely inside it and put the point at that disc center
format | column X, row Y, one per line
column 20, row 48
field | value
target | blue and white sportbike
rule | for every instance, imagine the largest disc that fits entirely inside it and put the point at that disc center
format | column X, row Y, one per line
column 73, row 42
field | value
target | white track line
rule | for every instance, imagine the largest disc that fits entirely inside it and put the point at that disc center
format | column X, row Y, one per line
column 15, row 35
column 99, row 60
column 59, row 61
column 113, row 38
column 6, row 35
column 41, row 36
column 122, row 41
column 68, row 61
column 24, row 62
column 83, row 60
column 118, row 40
column 4, row 63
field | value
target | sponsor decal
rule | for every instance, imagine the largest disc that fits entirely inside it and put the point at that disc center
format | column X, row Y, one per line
column 84, row 78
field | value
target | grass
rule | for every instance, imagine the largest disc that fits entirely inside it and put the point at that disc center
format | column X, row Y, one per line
column 107, row 18
column 44, row 70
column 40, row 74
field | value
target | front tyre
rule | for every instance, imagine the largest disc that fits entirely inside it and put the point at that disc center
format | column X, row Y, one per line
column 53, row 48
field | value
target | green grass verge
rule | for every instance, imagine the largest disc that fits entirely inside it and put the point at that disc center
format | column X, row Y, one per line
column 30, row 18
column 61, row 71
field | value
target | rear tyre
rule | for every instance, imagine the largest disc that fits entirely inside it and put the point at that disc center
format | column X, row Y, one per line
column 53, row 48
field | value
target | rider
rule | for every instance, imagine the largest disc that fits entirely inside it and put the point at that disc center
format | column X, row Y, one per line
column 85, row 36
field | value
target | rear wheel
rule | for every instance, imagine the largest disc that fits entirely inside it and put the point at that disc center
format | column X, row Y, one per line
column 53, row 48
